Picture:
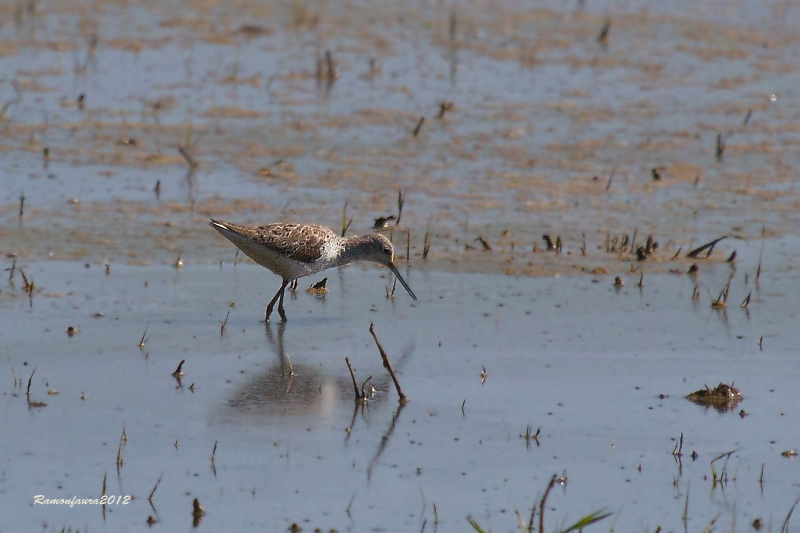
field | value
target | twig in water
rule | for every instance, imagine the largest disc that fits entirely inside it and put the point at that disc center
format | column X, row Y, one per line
column 720, row 147
column 708, row 246
column 345, row 223
column 746, row 301
column 28, row 390
column 685, row 516
column 426, row 245
column 11, row 271
column 390, row 294
column 187, row 155
column 401, row 200
column 602, row 38
column 543, row 500
column 21, row 205
column 419, row 126
column 359, row 396
column 224, row 322
column 332, row 72
column 179, row 371
column 144, row 340
column 382, row 222
column 611, row 177
column 723, row 475
column 387, row 365
column 678, row 447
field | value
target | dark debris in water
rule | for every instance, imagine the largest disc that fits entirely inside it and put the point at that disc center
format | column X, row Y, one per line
column 722, row 398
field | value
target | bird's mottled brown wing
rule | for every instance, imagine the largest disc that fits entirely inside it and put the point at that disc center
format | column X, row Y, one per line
column 302, row 242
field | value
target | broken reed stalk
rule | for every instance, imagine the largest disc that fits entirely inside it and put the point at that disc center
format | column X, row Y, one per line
column 224, row 323
column 345, row 223
column 150, row 498
column 353, row 376
column 678, row 447
column 387, row 365
column 419, row 126
column 28, row 391
column 542, row 502
column 401, row 200
column 179, row 371
column 708, row 246
column 685, row 517
column 426, row 245
column 187, row 155
column 611, row 178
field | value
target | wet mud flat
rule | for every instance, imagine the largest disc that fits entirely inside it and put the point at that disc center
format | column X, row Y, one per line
column 629, row 135
column 125, row 127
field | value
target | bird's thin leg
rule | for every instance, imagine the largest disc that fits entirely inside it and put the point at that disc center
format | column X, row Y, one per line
column 271, row 305
column 280, row 302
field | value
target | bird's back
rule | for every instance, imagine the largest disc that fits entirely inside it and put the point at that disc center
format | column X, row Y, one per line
column 273, row 245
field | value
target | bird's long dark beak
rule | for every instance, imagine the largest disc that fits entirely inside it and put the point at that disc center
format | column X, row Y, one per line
column 396, row 273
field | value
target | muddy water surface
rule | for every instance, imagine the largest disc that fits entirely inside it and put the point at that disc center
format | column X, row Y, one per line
column 680, row 124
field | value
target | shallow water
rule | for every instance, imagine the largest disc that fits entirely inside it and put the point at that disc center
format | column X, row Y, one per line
column 583, row 361
column 550, row 132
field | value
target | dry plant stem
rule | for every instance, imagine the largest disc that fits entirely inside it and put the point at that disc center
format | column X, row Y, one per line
column 419, row 126
column 28, row 391
column 678, row 447
column 542, row 502
column 401, row 200
column 188, row 156
column 179, row 370
column 150, row 498
column 353, row 376
column 224, row 323
column 387, row 365
column 685, row 516
column 708, row 246
column 611, row 177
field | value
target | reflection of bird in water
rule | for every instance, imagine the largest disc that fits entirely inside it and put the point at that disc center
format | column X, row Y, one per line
column 285, row 389
column 288, row 390
column 296, row 250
